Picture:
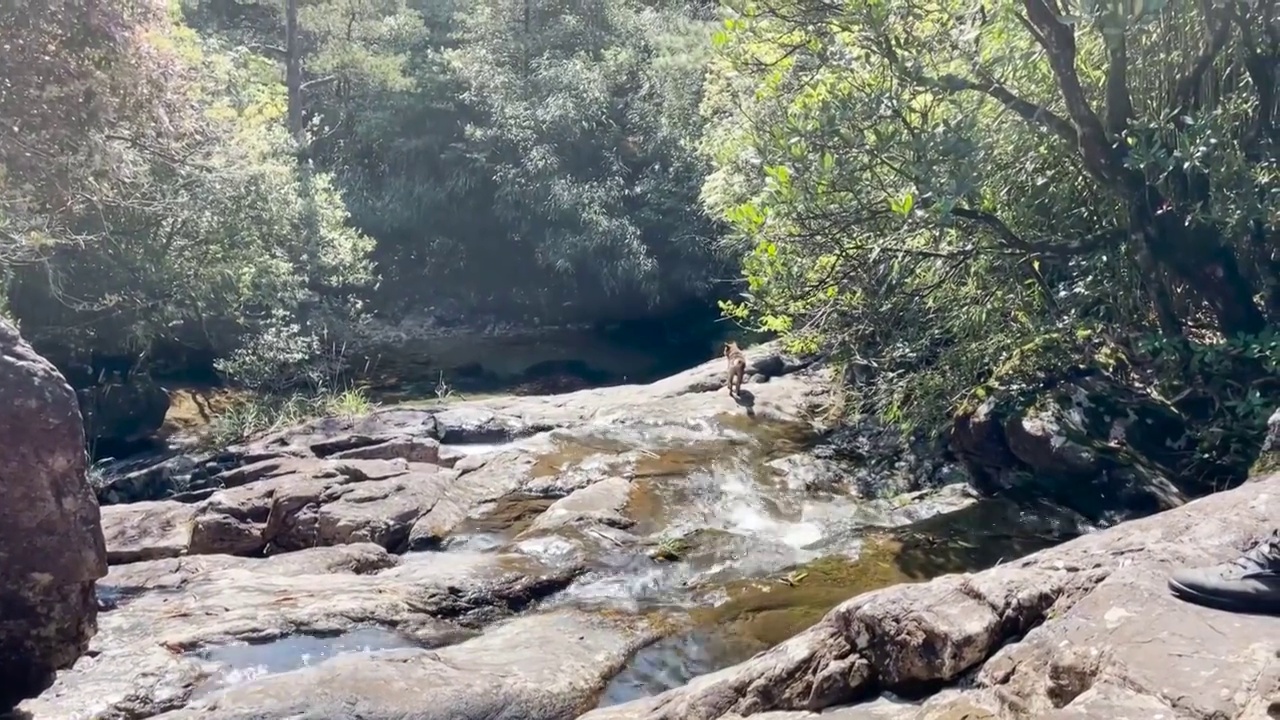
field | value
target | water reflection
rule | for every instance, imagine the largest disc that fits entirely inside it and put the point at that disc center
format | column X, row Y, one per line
column 242, row 663
column 674, row 661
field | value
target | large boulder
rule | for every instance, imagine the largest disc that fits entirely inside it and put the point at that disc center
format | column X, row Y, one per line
column 1104, row 449
column 51, row 544
column 119, row 413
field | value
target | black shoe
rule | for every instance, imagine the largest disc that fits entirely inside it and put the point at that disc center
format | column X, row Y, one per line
column 1249, row 584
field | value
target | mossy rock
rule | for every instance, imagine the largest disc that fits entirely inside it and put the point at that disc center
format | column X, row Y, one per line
column 1269, row 458
column 678, row 547
column 772, row 612
column 1267, row 463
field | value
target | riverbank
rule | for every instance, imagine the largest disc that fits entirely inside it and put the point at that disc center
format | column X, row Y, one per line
column 668, row 517
column 136, row 414
column 558, row 553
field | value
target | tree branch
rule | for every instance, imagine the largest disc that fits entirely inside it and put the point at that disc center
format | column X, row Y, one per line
column 275, row 50
column 1013, row 240
column 318, row 82
column 1059, row 42
column 1029, row 111
column 1216, row 37
column 1261, row 69
column 139, row 144
column 1119, row 103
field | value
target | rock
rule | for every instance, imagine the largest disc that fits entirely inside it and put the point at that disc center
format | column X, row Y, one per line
column 1094, row 444
column 147, row 530
column 293, row 503
column 266, row 469
column 1269, row 456
column 417, row 435
column 1040, row 441
column 1065, row 632
column 150, row 482
column 496, row 478
column 977, row 438
column 51, row 543
column 327, row 435
column 418, row 450
column 326, row 502
column 146, row 660
column 802, row 471
column 870, row 459
column 123, row 412
column 289, row 503
column 542, row 667
column 461, row 424
column 923, row 504
column 137, row 481
column 600, row 503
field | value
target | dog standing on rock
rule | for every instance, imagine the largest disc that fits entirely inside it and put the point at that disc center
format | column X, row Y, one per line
column 737, row 367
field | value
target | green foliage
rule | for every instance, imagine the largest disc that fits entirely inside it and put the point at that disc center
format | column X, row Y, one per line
column 517, row 159
column 1229, row 387
column 944, row 197
column 544, row 168
column 258, row 415
column 191, row 221
column 956, row 201
column 586, row 113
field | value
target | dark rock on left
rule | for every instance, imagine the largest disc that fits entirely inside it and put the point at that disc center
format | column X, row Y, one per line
column 119, row 415
column 51, row 544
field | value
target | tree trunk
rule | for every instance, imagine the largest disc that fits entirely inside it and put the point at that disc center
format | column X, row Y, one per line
column 1198, row 257
column 293, row 69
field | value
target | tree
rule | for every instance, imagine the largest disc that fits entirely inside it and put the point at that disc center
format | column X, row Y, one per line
column 169, row 208
column 586, row 123
column 929, row 187
column 67, row 68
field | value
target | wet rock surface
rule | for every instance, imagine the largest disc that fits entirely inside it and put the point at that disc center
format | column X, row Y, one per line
column 51, row 543
column 415, row 434
column 591, row 522
column 539, row 667
column 1063, row 633
column 538, row 557
column 148, row 656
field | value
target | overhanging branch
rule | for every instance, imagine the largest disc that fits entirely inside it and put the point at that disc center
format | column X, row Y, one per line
column 1217, row 34
column 274, row 50
column 319, row 82
column 1014, row 241
column 1029, row 111
column 1059, row 42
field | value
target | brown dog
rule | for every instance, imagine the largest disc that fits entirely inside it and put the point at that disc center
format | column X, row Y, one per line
column 737, row 367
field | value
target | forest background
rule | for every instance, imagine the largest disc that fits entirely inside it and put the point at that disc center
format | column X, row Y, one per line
column 960, row 202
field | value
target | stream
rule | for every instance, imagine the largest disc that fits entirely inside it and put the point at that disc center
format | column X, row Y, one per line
column 717, row 544
column 707, row 525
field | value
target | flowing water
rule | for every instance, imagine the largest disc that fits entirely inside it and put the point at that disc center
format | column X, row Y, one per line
column 756, row 559
column 730, row 556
